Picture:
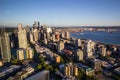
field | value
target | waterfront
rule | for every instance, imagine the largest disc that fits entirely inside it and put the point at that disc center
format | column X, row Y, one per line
column 102, row 36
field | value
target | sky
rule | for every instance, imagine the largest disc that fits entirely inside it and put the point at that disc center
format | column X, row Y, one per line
column 60, row 12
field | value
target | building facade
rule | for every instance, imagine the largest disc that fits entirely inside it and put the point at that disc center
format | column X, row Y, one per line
column 22, row 38
column 5, row 48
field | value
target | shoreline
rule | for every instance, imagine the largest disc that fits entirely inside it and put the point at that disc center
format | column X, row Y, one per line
column 116, row 45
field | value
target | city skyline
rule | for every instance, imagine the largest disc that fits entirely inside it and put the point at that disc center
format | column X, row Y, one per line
column 60, row 12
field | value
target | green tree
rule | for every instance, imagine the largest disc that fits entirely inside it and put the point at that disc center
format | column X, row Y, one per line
column 49, row 67
column 61, row 60
column 39, row 66
column 15, row 61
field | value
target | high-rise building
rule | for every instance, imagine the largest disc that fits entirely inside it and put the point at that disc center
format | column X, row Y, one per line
column 60, row 46
column 14, row 40
column 44, row 36
column 43, row 75
column 22, row 38
column 1, row 63
column 23, row 54
column 88, row 48
column 53, row 37
column 57, row 36
column 95, row 64
column 78, row 42
column 57, row 58
column 5, row 47
column 20, row 54
column 79, row 55
column 31, row 37
column 70, row 70
column 48, row 30
column 36, row 25
column 35, row 34
column 102, row 50
column 67, row 35
column 62, row 35
column 45, row 41
column 29, row 53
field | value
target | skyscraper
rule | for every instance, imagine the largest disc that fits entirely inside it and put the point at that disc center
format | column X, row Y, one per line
column 79, row 54
column 88, row 48
column 102, row 50
column 62, row 35
column 5, row 48
column 35, row 35
column 36, row 25
column 22, row 38
column 60, row 46
column 70, row 70
column 67, row 35
column 20, row 54
column 78, row 42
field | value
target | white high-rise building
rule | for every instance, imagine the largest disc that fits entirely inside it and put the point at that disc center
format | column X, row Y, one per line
column 31, row 37
column 60, row 46
column 35, row 35
column 102, row 50
column 53, row 37
column 5, row 48
column 29, row 53
column 67, row 35
column 62, row 35
column 78, row 42
column 79, row 55
column 20, row 54
column 22, row 38
column 88, row 48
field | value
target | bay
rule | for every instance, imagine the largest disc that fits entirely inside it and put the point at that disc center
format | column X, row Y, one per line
column 101, row 36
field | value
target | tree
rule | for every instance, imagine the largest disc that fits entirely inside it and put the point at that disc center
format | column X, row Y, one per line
column 39, row 66
column 41, row 59
column 49, row 68
column 43, row 64
column 15, row 61
column 61, row 60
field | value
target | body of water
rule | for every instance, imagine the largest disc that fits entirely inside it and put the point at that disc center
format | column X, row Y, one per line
column 102, row 36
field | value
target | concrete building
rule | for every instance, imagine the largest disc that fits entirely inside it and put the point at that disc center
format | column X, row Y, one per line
column 70, row 70
column 53, row 38
column 95, row 64
column 5, row 48
column 57, row 36
column 117, row 71
column 23, row 54
column 36, row 25
column 60, row 46
column 29, row 53
column 48, row 30
column 35, row 35
column 43, row 75
column 8, row 71
column 57, row 58
column 62, row 35
column 79, row 55
column 20, row 54
column 45, row 41
column 67, row 35
column 89, row 49
column 31, row 37
column 1, row 63
column 88, row 71
column 21, row 75
column 78, row 43
column 22, row 38
column 102, row 50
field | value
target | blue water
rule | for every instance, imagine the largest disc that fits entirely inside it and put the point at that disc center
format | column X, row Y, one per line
column 102, row 36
